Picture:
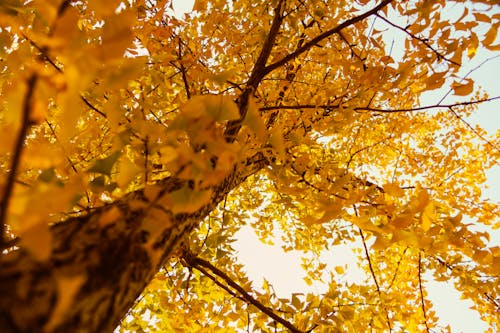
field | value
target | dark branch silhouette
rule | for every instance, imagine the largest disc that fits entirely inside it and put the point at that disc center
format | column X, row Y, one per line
column 200, row 264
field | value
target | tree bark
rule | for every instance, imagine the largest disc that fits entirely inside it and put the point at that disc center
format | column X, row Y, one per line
column 112, row 262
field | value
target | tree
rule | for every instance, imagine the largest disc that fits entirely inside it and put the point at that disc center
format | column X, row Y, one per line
column 134, row 144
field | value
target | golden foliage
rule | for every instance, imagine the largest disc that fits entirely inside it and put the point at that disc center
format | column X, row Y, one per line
column 101, row 98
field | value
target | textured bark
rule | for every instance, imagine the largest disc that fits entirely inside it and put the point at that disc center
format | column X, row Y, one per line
column 113, row 258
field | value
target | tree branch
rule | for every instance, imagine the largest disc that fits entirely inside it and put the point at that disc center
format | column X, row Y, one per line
column 258, row 73
column 183, row 70
column 200, row 263
column 16, row 157
column 305, row 47
column 380, row 110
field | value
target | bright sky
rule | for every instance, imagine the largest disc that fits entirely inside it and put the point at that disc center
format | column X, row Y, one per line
column 283, row 270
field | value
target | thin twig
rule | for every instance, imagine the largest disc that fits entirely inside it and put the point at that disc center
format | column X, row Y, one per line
column 422, row 301
column 422, row 40
column 367, row 253
column 468, row 74
column 474, row 130
column 92, row 106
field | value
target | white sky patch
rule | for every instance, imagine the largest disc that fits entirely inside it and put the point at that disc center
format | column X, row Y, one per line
column 182, row 7
column 283, row 269
column 453, row 310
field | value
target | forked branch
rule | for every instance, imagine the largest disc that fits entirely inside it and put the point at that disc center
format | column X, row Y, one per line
column 258, row 73
column 313, row 42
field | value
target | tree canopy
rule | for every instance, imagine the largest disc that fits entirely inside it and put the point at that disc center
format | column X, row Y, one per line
column 134, row 144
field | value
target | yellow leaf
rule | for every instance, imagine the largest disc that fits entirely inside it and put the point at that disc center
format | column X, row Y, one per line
column 490, row 36
column 421, row 200
column 482, row 17
column 217, row 107
column 221, row 108
column 455, row 220
column 405, row 237
column 68, row 115
column 296, row 302
column 495, row 266
column 471, row 51
column 339, row 269
column 105, row 165
column 380, row 243
column 402, row 221
column 393, row 189
column 435, row 81
column 223, row 76
column 117, row 36
column 428, row 216
column 495, row 47
column 200, row 5
column 463, row 89
column 164, row 301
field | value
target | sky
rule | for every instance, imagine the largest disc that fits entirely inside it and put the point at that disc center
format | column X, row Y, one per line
column 282, row 269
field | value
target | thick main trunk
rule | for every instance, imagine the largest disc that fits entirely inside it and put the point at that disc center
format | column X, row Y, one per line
column 106, row 265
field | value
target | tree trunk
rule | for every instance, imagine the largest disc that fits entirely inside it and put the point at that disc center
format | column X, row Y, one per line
column 96, row 270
